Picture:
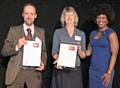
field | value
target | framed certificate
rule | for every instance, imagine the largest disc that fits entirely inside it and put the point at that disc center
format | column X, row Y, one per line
column 67, row 55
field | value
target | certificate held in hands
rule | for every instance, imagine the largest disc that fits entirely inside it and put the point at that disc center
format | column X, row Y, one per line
column 32, row 53
column 67, row 55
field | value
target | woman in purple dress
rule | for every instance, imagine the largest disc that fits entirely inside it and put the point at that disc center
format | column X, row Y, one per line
column 103, row 48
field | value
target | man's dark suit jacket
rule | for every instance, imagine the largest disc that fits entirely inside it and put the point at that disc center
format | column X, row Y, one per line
column 15, row 33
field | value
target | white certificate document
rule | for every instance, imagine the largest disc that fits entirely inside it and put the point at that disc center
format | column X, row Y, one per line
column 32, row 53
column 67, row 55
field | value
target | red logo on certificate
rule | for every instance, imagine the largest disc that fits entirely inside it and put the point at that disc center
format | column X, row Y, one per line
column 36, row 45
column 72, row 48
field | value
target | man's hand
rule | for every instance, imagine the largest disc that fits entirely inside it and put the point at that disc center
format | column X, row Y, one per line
column 42, row 67
column 21, row 42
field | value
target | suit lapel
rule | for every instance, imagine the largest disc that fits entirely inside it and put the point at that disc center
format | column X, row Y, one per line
column 21, row 31
column 36, row 33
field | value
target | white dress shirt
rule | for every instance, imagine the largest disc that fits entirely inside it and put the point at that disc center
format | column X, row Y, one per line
column 25, row 27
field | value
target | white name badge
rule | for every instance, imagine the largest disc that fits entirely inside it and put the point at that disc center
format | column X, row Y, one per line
column 78, row 38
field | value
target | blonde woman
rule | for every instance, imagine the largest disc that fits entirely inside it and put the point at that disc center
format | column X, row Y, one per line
column 67, row 77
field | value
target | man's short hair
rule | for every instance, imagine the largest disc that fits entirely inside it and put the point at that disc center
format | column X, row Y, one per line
column 29, row 4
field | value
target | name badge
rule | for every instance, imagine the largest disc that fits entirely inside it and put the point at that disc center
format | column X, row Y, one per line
column 78, row 38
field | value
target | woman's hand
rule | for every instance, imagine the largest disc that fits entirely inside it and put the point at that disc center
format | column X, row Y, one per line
column 89, row 50
column 106, row 79
column 55, row 56
column 81, row 53
column 56, row 65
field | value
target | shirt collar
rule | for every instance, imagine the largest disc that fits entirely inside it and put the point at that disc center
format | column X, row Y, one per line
column 25, row 27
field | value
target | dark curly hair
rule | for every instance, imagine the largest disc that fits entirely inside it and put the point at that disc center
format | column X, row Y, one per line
column 103, row 9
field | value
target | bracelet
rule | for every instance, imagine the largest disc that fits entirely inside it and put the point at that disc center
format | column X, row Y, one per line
column 109, row 72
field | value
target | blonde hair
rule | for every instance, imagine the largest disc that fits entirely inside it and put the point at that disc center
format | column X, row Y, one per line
column 66, row 10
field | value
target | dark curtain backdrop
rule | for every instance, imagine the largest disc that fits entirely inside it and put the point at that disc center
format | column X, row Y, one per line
column 49, row 12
